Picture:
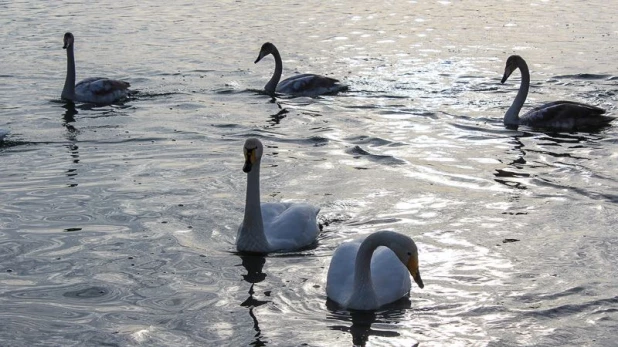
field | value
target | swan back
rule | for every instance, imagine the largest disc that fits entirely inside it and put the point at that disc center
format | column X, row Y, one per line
column 567, row 115
column 310, row 85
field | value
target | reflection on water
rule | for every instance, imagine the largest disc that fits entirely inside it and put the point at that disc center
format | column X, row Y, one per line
column 68, row 120
column 361, row 321
column 254, row 265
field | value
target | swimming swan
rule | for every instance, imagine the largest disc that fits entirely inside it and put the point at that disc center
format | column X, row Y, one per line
column 272, row 227
column 560, row 115
column 370, row 272
column 94, row 90
column 299, row 85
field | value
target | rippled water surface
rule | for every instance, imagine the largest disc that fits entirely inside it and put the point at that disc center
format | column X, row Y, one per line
column 117, row 223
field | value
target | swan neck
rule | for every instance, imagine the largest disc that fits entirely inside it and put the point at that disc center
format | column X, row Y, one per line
column 251, row 234
column 68, row 91
column 271, row 86
column 512, row 115
column 363, row 283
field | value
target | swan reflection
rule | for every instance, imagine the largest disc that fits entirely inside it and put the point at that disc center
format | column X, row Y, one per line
column 254, row 265
column 361, row 321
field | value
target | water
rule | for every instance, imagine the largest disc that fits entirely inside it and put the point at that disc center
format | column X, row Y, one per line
column 117, row 223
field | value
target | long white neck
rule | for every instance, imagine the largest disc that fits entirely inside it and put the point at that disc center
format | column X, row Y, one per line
column 68, row 92
column 364, row 295
column 251, row 235
column 271, row 86
column 512, row 115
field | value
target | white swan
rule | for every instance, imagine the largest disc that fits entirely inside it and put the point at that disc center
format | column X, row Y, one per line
column 96, row 90
column 299, row 85
column 561, row 115
column 272, row 227
column 370, row 272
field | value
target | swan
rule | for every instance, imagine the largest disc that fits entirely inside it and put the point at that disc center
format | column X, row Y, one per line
column 372, row 271
column 96, row 90
column 299, row 85
column 272, row 227
column 560, row 115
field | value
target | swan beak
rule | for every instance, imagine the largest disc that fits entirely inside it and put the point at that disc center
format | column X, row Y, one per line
column 416, row 274
column 259, row 58
column 67, row 42
column 249, row 160
column 508, row 70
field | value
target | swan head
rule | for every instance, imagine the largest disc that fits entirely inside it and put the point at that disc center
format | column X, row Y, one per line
column 405, row 249
column 267, row 48
column 253, row 153
column 512, row 64
column 68, row 40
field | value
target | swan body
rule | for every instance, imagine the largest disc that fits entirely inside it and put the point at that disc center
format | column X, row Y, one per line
column 96, row 90
column 272, row 227
column 369, row 272
column 299, row 85
column 560, row 115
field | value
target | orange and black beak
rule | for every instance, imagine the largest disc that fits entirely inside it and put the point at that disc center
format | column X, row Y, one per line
column 249, row 159
column 414, row 271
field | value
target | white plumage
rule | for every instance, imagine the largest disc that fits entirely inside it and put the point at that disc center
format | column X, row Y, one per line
column 272, row 227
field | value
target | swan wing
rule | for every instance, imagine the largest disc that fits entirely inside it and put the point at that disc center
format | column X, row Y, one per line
column 565, row 115
column 290, row 226
column 340, row 278
column 310, row 84
column 101, row 90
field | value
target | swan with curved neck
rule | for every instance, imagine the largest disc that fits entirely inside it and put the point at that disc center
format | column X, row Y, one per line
column 272, row 227
column 367, row 273
column 299, row 85
column 96, row 90
column 560, row 115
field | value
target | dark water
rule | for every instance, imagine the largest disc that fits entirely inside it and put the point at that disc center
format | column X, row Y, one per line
column 117, row 223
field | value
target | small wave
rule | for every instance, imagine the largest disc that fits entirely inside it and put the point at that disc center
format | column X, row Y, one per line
column 359, row 152
column 584, row 76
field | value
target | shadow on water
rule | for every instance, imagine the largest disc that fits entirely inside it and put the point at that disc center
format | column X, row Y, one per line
column 254, row 265
column 363, row 320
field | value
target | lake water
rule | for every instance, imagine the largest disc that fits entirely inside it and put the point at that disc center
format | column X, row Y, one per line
column 117, row 223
